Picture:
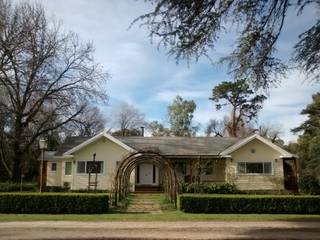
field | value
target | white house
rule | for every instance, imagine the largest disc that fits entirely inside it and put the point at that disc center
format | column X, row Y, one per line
column 252, row 163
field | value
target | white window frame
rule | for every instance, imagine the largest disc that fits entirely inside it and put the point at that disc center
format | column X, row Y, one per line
column 85, row 173
column 65, row 167
column 256, row 174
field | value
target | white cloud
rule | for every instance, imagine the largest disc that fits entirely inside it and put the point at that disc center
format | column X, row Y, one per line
column 285, row 103
column 169, row 95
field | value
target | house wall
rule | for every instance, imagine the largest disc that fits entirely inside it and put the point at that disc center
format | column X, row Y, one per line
column 255, row 151
column 218, row 172
column 106, row 151
column 53, row 177
column 192, row 165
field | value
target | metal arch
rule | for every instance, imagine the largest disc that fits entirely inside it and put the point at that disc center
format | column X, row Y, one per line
column 122, row 178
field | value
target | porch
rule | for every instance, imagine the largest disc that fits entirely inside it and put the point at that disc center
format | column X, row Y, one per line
column 148, row 177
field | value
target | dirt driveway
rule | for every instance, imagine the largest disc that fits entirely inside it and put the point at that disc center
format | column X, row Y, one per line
column 159, row 230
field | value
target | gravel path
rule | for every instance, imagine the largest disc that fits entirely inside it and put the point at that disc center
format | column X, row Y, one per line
column 159, row 230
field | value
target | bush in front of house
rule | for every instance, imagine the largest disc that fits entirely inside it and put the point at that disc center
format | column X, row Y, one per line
column 223, row 188
column 53, row 203
column 264, row 204
column 16, row 187
column 309, row 184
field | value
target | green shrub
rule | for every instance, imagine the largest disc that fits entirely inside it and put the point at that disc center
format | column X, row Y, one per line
column 309, row 184
column 55, row 189
column 54, row 203
column 15, row 187
column 269, row 204
column 224, row 188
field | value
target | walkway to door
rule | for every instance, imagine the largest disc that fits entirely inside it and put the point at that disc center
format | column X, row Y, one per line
column 144, row 203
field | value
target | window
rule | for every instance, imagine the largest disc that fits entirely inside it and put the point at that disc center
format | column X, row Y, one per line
column 68, row 168
column 208, row 168
column 94, row 167
column 53, row 166
column 89, row 166
column 81, row 167
column 254, row 167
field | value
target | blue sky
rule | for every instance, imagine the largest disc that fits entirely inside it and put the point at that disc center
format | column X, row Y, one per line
column 146, row 77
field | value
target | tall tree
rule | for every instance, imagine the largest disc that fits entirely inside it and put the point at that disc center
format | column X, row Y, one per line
column 308, row 141
column 129, row 120
column 46, row 73
column 191, row 29
column 244, row 103
column 180, row 114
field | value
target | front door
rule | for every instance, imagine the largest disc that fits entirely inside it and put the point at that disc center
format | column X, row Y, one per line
column 147, row 174
column 290, row 177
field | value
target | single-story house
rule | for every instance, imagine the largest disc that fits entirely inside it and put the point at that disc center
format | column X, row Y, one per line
column 251, row 163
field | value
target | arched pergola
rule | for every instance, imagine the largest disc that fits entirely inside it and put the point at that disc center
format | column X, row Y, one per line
column 122, row 179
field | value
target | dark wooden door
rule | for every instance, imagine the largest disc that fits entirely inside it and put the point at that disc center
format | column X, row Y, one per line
column 290, row 176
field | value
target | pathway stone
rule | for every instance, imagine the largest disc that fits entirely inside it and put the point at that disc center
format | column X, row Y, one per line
column 144, row 203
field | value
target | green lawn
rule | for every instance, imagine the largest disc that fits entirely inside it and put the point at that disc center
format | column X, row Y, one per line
column 166, row 216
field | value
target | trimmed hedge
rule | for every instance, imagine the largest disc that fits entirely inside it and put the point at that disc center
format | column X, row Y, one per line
column 269, row 204
column 223, row 188
column 15, row 187
column 54, row 203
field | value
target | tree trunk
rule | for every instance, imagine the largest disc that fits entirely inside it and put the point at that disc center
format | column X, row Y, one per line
column 17, row 152
column 234, row 124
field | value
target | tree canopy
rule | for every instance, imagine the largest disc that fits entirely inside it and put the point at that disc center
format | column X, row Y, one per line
column 190, row 29
column 244, row 103
column 48, row 77
column 180, row 114
column 308, row 141
column 128, row 119
column 158, row 129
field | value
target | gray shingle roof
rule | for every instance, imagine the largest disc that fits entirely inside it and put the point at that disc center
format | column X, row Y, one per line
column 180, row 145
column 47, row 156
column 69, row 143
column 166, row 145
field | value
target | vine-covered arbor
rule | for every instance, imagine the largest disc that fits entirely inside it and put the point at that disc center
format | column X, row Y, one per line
column 122, row 179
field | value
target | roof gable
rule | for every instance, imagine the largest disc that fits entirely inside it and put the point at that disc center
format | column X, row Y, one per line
column 243, row 142
column 103, row 134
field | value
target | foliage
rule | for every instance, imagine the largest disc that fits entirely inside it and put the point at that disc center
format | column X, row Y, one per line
column 157, row 129
column 129, row 120
column 250, row 204
column 126, row 132
column 307, row 52
column 244, row 103
column 309, row 184
column 191, row 29
column 16, row 187
column 48, row 77
column 87, row 123
column 271, row 132
column 180, row 114
column 308, row 147
column 215, row 127
column 53, row 203
column 223, row 188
